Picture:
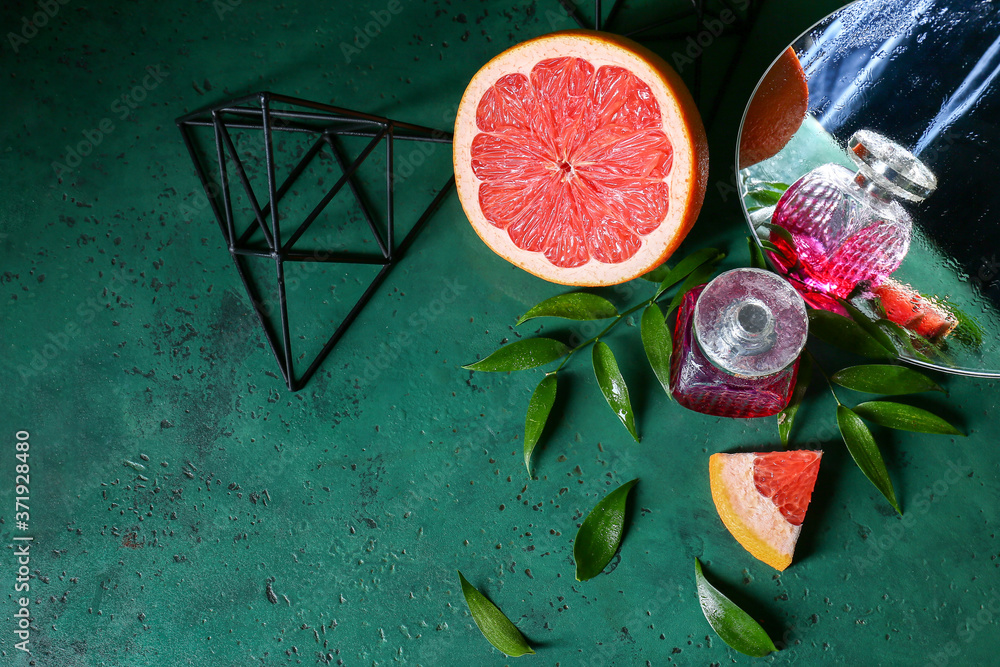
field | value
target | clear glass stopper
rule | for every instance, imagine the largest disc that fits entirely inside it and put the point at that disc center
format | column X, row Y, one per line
column 750, row 322
column 885, row 165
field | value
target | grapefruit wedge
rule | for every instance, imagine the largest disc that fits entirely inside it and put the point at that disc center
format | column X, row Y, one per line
column 911, row 310
column 762, row 499
column 580, row 157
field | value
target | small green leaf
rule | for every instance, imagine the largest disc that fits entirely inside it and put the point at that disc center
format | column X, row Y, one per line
column 968, row 331
column 902, row 337
column 688, row 265
column 521, row 355
column 538, row 412
column 865, row 452
column 779, row 231
column 496, row 627
column 869, row 325
column 658, row 274
column 613, row 385
column 736, row 627
column 657, row 343
column 600, row 534
column 787, row 416
column 884, row 379
column 770, row 247
column 573, row 306
column 699, row 276
column 904, row 418
column 776, row 185
column 765, row 197
column 845, row 333
column 757, row 260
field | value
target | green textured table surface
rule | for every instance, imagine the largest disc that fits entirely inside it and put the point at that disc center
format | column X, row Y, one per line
column 186, row 508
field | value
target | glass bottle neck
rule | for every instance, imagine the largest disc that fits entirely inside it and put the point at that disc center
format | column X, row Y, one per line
column 872, row 188
column 747, row 327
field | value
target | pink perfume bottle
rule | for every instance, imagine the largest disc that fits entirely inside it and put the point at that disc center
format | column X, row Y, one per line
column 849, row 227
column 737, row 343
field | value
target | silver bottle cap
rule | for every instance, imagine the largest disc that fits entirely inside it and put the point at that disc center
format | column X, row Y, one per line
column 891, row 167
column 750, row 323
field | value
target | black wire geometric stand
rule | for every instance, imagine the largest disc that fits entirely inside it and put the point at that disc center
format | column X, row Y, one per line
column 270, row 114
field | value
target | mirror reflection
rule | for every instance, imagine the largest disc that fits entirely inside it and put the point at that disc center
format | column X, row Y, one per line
column 868, row 170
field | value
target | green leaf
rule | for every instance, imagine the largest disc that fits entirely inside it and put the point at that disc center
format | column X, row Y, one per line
column 765, row 197
column 657, row 343
column 884, row 379
column 905, row 418
column 658, row 274
column 538, row 412
column 770, row 247
column 901, row 336
column 496, row 627
column 757, row 260
column 600, row 534
column 573, row 306
column 845, row 333
column 779, row 231
column 968, row 331
column 613, row 385
column 865, row 452
column 787, row 416
column 870, row 326
column 687, row 265
column 699, row 276
column 521, row 355
column 736, row 627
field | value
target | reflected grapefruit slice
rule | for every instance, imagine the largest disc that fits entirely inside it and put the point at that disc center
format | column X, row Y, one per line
column 580, row 157
column 911, row 310
column 762, row 499
column 776, row 111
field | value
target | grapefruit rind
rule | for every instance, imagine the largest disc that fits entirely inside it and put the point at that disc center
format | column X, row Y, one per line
column 682, row 125
column 775, row 111
column 750, row 517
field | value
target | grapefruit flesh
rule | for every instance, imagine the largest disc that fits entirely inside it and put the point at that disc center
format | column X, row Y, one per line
column 911, row 310
column 762, row 499
column 580, row 157
column 775, row 112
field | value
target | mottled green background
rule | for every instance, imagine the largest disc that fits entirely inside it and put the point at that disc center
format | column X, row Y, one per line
column 358, row 498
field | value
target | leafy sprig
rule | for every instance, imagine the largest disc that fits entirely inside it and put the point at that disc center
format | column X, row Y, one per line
column 673, row 282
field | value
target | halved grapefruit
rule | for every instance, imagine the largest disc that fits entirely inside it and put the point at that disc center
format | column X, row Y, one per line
column 580, row 157
column 762, row 499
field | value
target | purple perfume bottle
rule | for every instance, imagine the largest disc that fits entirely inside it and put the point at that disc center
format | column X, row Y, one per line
column 737, row 343
column 849, row 227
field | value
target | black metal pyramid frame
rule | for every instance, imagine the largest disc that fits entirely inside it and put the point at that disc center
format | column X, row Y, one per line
column 257, row 112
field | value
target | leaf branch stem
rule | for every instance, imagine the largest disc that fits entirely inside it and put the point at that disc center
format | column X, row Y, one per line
column 618, row 318
column 826, row 377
